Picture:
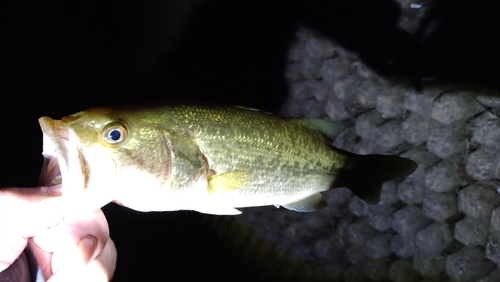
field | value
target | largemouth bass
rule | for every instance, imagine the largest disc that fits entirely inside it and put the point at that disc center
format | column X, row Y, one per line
column 211, row 159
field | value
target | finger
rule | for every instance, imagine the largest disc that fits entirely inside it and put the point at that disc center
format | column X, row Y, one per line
column 28, row 211
column 23, row 212
column 43, row 258
column 10, row 248
column 72, row 243
column 100, row 269
column 33, row 192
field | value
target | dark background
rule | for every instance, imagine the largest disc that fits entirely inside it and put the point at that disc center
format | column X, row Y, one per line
column 60, row 57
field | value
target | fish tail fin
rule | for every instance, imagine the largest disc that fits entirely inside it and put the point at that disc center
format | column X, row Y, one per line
column 365, row 174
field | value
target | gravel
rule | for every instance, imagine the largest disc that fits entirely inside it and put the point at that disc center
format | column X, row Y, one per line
column 440, row 224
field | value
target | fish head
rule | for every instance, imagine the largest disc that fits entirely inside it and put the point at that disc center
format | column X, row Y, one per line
column 105, row 155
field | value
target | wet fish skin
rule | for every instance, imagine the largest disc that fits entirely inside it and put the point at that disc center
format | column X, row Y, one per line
column 214, row 159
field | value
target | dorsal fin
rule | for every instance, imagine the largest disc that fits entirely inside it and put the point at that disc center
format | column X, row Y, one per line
column 327, row 128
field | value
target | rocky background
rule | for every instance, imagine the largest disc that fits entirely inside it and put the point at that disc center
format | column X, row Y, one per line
column 440, row 224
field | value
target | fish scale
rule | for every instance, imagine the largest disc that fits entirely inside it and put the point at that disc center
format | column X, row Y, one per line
column 252, row 128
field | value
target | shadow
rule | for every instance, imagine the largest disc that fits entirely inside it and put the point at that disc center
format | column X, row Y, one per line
column 458, row 43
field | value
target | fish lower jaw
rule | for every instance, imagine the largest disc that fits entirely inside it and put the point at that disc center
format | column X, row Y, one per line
column 51, row 173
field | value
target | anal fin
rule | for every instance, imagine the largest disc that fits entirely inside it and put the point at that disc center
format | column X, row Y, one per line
column 309, row 204
column 219, row 210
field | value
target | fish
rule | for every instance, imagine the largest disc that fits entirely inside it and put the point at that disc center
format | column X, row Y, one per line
column 212, row 159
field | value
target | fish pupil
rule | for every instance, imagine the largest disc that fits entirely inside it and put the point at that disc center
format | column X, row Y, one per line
column 115, row 135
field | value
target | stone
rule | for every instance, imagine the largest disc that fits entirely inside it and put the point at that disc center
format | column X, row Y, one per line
column 366, row 146
column 420, row 103
column 378, row 247
column 389, row 195
column 446, row 141
column 380, row 216
column 367, row 95
column 322, row 90
column 409, row 220
column 356, row 255
column 481, row 120
column 434, row 238
column 489, row 101
column 493, row 276
column 358, row 207
column 292, row 108
column 342, row 225
column 495, row 220
column 388, row 135
column 414, row 130
column 344, row 89
column 335, row 110
column 443, row 177
column 450, row 107
column 292, row 73
column 411, row 190
column 377, row 270
column 427, row 264
column 301, row 90
column 366, row 124
column 421, row 156
column 424, row 159
column 328, row 249
column 359, row 232
column 355, row 274
column 439, row 206
column 312, row 109
column 337, row 200
column 493, row 248
column 488, row 132
column 470, row 231
column 301, row 251
column 346, row 139
column 468, row 264
column 294, row 54
column 478, row 201
column 363, row 71
column 335, row 69
column 302, row 34
column 309, row 68
column 390, row 103
column 319, row 47
column 483, row 164
column 403, row 247
column 403, row 271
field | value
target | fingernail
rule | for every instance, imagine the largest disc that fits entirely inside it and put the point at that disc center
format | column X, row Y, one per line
column 88, row 246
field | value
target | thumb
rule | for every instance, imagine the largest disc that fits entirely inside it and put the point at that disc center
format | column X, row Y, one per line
column 25, row 212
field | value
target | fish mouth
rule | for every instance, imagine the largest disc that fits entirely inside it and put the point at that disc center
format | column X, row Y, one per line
column 50, row 174
column 65, row 165
column 62, row 158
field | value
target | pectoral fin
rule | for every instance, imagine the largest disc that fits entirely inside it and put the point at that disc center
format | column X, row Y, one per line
column 309, row 204
column 229, row 181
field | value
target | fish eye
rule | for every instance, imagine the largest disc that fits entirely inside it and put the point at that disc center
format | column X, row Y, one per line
column 115, row 133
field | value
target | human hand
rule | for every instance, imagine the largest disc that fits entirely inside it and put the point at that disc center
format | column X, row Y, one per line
column 79, row 249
